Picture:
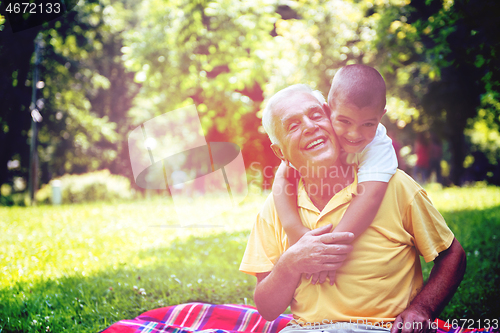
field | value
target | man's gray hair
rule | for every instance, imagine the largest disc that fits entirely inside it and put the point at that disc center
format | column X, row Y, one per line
column 269, row 122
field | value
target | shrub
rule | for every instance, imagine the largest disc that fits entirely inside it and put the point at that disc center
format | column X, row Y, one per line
column 14, row 199
column 88, row 187
column 8, row 197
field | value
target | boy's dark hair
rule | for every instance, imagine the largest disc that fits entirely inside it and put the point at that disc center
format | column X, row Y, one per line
column 360, row 85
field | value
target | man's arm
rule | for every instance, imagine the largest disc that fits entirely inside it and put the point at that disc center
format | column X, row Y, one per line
column 445, row 277
column 271, row 307
column 317, row 250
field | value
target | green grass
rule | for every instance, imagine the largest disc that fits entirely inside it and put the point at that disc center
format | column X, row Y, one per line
column 473, row 214
column 81, row 267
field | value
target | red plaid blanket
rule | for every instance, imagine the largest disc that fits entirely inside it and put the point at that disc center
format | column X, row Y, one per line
column 228, row 318
column 196, row 317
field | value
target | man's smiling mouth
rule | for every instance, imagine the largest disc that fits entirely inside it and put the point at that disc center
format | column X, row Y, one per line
column 315, row 143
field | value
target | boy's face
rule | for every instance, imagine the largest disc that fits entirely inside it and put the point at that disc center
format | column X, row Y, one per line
column 355, row 127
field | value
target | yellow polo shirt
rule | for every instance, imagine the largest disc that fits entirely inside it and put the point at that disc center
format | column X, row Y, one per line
column 380, row 276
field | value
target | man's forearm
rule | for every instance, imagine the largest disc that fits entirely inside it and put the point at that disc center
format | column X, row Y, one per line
column 275, row 290
column 448, row 271
column 445, row 277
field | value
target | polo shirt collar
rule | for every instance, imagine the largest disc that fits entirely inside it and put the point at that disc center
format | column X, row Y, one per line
column 342, row 197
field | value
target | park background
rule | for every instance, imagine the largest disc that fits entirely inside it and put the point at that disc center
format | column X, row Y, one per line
column 107, row 66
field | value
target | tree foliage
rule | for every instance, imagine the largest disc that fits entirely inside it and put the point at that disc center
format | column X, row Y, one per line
column 110, row 65
column 85, row 94
column 442, row 56
column 210, row 53
column 88, row 89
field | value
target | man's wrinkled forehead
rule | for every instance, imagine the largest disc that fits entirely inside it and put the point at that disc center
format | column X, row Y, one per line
column 295, row 106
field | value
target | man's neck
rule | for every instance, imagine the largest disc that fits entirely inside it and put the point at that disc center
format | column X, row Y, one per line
column 322, row 183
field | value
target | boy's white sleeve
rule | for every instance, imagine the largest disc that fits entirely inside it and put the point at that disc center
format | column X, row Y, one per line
column 378, row 161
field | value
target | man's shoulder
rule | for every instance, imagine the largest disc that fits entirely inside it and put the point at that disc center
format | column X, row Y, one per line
column 268, row 211
column 403, row 184
column 401, row 178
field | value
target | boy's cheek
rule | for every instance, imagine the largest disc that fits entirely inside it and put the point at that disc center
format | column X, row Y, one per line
column 337, row 129
column 371, row 135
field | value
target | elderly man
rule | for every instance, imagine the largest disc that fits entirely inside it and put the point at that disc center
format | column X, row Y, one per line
column 379, row 278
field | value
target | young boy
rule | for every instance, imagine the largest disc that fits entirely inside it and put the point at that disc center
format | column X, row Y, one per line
column 357, row 100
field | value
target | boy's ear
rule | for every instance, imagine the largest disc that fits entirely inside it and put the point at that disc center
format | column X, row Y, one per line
column 278, row 152
column 383, row 112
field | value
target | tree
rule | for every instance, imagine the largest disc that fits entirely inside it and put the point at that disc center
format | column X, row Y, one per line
column 210, row 53
column 15, row 93
column 226, row 57
column 107, row 70
column 443, row 56
column 88, row 89
column 86, row 94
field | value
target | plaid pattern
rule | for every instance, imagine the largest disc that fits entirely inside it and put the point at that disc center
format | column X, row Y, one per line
column 226, row 318
column 200, row 317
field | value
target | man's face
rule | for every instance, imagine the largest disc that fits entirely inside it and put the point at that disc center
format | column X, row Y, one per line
column 355, row 127
column 305, row 132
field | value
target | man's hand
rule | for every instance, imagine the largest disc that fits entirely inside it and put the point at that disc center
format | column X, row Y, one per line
column 319, row 250
column 413, row 319
column 321, row 277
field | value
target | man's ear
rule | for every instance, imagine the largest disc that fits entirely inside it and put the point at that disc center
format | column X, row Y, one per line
column 327, row 109
column 278, row 152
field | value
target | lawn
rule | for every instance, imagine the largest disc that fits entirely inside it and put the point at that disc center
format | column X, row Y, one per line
column 82, row 267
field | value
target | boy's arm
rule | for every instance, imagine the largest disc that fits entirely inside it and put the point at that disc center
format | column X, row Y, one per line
column 363, row 208
column 377, row 164
column 358, row 216
column 285, row 199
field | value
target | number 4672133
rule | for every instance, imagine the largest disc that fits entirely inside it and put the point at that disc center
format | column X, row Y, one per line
column 33, row 8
